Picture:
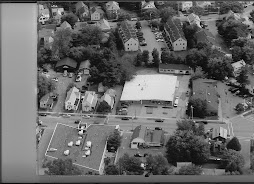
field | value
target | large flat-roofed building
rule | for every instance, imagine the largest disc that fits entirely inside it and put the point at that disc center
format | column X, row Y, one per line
column 150, row 90
column 86, row 149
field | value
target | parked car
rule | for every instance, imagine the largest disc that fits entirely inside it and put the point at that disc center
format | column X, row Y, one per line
column 77, row 121
column 134, row 19
column 65, row 73
column 43, row 114
column 85, row 116
column 55, row 79
column 125, row 118
column 78, row 78
column 123, row 109
column 158, row 128
column 137, row 155
column 159, row 120
column 66, row 115
column 160, row 40
column 70, row 75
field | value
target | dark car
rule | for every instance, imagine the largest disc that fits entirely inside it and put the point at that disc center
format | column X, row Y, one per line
column 125, row 118
column 205, row 122
column 77, row 121
column 159, row 120
column 43, row 114
column 137, row 155
column 187, row 93
column 158, row 128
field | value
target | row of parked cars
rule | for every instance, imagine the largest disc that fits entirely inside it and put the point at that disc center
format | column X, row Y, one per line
column 78, row 77
column 141, row 39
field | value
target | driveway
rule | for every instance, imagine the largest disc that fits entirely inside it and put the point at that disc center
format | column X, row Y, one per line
column 150, row 40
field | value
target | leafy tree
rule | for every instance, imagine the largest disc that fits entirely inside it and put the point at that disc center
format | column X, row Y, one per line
column 62, row 167
column 124, row 16
column 242, row 78
column 114, row 140
column 189, row 33
column 199, row 107
column 52, row 21
column 165, row 56
column 185, row 146
column 156, row 58
column 189, row 125
column 81, row 53
column 45, row 86
column 145, row 56
column 71, row 85
column 158, row 165
column 240, row 42
column 234, row 144
column 150, row 14
column 248, row 54
column 62, row 42
column 44, row 56
column 190, row 170
column 139, row 59
column 199, row 73
column 219, row 68
column 239, row 107
column 70, row 18
column 166, row 13
column 103, row 107
column 234, row 161
column 130, row 165
column 196, row 58
column 138, row 25
column 172, row 4
column 251, row 17
column 235, row 6
column 237, row 53
column 111, row 170
column 155, row 23
column 197, row 10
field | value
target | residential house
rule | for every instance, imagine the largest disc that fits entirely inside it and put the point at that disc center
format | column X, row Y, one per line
column 72, row 100
column 46, row 102
column 66, row 64
column 143, row 136
column 232, row 15
column 145, row 5
column 65, row 25
column 219, row 137
column 89, row 101
column 79, row 25
column 96, row 13
column 207, row 37
column 43, row 16
column 175, row 69
column 175, row 35
column 112, row 9
column 128, row 36
column 237, row 66
column 87, row 150
column 185, row 5
column 203, row 4
column 103, row 25
column 109, row 99
column 205, row 89
column 46, row 38
column 84, row 67
column 194, row 19
column 82, row 11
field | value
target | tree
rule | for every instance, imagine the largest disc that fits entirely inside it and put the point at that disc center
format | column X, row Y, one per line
column 114, row 140
column 45, row 86
column 242, row 78
column 44, row 56
column 199, row 107
column 199, row 73
column 189, row 125
column 158, row 165
column 130, row 165
column 239, row 107
column 196, row 58
column 103, row 107
column 151, row 14
column 145, row 56
column 185, row 146
column 138, row 25
column 165, row 56
column 197, row 10
column 155, row 23
column 234, row 144
column 62, row 43
column 124, row 16
column 70, row 18
column 251, row 17
column 62, row 167
column 71, row 85
column 111, row 170
column 166, row 13
column 235, row 6
column 234, row 161
column 156, row 58
column 190, row 170
column 237, row 53
column 189, row 33
column 139, row 59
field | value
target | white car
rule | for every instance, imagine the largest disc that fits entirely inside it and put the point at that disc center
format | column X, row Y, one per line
column 177, row 97
column 78, row 78
column 160, row 40
column 66, row 115
column 85, row 116
column 55, row 79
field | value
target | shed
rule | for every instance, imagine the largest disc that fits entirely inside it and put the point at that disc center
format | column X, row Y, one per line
column 84, row 67
column 66, row 64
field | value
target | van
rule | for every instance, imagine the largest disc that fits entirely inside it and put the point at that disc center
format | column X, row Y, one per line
column 176, row 102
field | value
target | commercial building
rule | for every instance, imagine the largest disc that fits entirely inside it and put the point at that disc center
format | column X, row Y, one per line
column 150, row 90
column 175, row 69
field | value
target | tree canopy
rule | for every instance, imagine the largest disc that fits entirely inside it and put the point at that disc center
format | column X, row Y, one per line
column 145, row 56
column 151, row 13
column 185, row 146
column 252, row 16
column 234, row 161
column 130, row 165
column 44, row 56
column 190, row 170
column 235, row 6
column 197, row 10
column 158, row 165
column 62, row 167
column 114, row 140
column 189, row 125
column 156, row 57
column 45, row 86
column 199, row 73
column 199, row 107
column 243, row 77
column 166, row 13
column 234, row 144
column 70, row 18
column 103, row 107
column 111, row 170
column 189, row 33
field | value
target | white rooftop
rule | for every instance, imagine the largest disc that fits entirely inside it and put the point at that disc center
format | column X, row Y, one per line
column 150, row 87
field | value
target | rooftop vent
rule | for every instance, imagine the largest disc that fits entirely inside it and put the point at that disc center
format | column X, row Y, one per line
column 66, row 152
column 86, row 148
column 70, row 144
column 79, row 137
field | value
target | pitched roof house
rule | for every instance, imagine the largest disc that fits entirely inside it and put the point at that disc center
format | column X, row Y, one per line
column 147, row 5
column 46, row 37
column 46, row 102
column 174, row 32
column 96, row 13
column 82, row 10
column 112, row 6
column 237, row 66
column 73, row 98
column 66, row 64
column 89, row 101
column 219, row 133
column 128, row 36
column 194, row 19
column 235, row 16
column 104, row 25
column 65, row 25
column 84, row 67
column 206, row 36
column 144, row 136
column 110, row 100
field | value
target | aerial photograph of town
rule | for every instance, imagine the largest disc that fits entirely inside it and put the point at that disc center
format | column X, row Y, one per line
column 145, row 88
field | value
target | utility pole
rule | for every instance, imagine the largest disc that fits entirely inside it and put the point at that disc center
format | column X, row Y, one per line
column 192, row 112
